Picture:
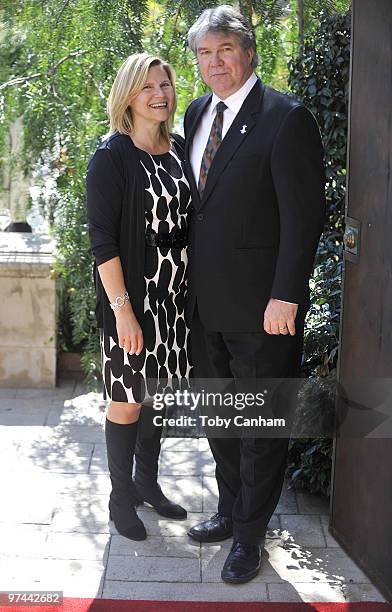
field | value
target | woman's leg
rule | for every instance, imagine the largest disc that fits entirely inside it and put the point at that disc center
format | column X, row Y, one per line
column 147, row 451
column 121, row 433
column 123, row 413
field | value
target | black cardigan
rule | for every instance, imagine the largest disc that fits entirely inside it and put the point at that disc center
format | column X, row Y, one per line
column 116, row 220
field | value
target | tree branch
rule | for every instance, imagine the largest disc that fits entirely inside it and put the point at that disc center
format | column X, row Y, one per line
column 55, row 66
column 300, row 17
column 51, row 71
column 20, row 80
column 246, row 9
column 62, row 11
column 178, row 12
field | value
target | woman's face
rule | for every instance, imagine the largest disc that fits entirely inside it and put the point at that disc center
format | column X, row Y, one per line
column 155, row 102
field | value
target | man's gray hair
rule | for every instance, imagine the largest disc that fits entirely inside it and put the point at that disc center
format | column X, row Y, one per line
column 223, row 19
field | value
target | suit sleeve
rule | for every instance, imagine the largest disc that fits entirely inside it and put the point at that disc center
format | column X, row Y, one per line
column 299, row 180
column 186, row 122
column 105, row 189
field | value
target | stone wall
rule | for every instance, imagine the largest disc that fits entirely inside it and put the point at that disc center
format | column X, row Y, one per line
column 28, row 311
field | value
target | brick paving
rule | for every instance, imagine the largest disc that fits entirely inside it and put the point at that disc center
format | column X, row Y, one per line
column 55, row 534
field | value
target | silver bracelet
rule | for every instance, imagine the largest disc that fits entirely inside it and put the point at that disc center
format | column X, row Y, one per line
column 119, row 301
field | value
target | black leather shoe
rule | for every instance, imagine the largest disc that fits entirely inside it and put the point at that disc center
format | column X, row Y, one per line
column 217, row 528
column 242, row 564
column 159, row 501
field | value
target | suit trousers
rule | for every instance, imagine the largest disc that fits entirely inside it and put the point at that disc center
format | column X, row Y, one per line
column 249, row 470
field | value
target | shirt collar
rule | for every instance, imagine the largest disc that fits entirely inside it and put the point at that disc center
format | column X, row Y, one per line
column 236, row 100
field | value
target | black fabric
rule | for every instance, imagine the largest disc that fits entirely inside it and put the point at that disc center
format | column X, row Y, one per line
column 120, row 446
column 148, row 447
column 177, row 238
column 254, row 232
column 116, row 220
column 249, row 471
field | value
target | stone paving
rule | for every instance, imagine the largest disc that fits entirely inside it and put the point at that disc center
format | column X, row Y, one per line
column 55, row 534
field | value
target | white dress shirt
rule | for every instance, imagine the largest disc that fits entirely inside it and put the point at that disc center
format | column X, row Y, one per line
column 233, row 103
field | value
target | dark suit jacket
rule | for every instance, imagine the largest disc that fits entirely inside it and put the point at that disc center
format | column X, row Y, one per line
column 254, row 233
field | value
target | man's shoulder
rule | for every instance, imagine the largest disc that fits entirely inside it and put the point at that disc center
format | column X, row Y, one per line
column 285, row 109
column 197, row 103
column 281, row 101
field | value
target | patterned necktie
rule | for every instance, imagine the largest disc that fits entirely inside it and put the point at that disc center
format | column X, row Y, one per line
column 213, row 143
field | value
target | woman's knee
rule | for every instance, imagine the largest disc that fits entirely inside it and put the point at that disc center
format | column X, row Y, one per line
column 122, row 412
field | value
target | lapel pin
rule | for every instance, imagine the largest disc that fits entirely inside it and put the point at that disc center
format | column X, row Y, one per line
column 243, row 129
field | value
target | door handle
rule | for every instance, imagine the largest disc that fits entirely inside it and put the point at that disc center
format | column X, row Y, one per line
column 351, row 239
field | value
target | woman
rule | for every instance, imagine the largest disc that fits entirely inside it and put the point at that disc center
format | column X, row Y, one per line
column 137, row 206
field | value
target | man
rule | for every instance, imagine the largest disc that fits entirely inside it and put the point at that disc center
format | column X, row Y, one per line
column 255, row 163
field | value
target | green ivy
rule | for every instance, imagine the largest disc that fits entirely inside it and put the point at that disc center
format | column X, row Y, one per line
column 309, row 465
column 320, row 78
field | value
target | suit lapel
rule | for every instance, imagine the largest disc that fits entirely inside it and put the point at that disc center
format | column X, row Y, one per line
column 195, row 122
column 239, row 130
column 233, row 139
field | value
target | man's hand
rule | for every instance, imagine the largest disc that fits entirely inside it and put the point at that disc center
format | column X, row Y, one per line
column 279, row 317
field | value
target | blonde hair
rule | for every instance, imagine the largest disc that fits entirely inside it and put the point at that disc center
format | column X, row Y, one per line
column 129, row 81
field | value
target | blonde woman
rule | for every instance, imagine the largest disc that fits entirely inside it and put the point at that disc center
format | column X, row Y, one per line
column 138, row 201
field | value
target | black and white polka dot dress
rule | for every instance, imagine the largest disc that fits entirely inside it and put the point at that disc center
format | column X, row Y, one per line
column 164, row 360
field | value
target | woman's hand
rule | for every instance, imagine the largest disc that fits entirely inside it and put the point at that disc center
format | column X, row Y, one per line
column 130, row 335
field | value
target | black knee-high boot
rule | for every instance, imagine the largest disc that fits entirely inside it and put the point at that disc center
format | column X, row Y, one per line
column 120, row 445
column 148, row 446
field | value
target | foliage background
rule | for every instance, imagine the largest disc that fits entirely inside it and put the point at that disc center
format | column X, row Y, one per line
column 319, row 76
column 57, row 63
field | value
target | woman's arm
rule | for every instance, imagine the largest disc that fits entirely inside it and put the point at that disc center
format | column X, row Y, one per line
column 130, row 336
column 105, row 189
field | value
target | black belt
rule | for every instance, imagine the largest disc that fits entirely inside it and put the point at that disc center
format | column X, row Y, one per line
column 177, row 239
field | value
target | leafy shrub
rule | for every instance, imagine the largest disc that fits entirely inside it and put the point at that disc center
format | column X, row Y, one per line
column 320, row 78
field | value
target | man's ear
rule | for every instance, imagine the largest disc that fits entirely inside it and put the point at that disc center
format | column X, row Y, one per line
column 251, row 53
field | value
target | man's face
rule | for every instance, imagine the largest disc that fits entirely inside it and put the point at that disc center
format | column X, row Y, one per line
column 224, row 64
